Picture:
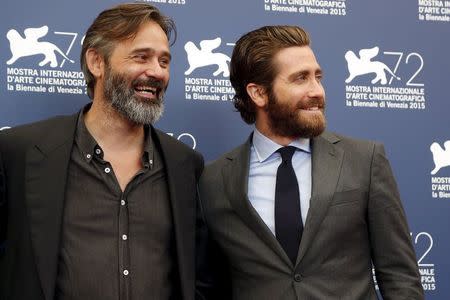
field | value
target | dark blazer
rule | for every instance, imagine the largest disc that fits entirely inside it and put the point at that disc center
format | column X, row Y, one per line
column 355, row 219
column 33, row 172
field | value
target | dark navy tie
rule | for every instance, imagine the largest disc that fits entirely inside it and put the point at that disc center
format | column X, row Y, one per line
column 288, row 217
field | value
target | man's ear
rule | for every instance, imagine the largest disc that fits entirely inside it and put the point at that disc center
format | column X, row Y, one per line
column 258, row 94
column 95, row 62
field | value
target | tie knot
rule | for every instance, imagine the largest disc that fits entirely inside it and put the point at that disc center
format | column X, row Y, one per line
column 287, row 152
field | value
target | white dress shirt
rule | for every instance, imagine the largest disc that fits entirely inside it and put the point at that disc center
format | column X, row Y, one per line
column 264, row 162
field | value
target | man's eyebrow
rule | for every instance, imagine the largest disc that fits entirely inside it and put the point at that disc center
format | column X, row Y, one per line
column 298, row 74
column 150, row 51
column 294, row 75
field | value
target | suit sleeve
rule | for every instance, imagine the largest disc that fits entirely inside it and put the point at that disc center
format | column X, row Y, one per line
column 3, row 207
column 392, row 251
column 213, row 278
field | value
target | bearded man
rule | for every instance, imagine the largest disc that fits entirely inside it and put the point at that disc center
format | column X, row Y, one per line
column 297, row 212
column 100, row 204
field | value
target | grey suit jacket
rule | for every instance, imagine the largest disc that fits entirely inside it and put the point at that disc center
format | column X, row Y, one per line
column 355, row 219
column 34, row 160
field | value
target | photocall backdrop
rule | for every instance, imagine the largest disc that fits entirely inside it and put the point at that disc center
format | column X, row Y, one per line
column 386, row 65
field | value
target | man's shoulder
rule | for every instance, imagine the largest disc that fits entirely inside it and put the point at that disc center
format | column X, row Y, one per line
column 347, row 142
column 171, row 146
column 228, row 157
column 36, row 131
column 175, row 145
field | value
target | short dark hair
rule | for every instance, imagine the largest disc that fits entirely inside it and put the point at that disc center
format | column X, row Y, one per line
column 252, row 61
column 119, row 23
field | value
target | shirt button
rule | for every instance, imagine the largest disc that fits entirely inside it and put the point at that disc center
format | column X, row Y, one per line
column 88, row 155
column 298, row 277
column 98, row 151
column 124, row 237
column 107, row 170
column 122, row 202
column 125, row 272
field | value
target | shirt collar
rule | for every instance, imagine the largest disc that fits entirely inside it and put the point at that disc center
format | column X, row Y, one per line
column 89, row 146
column 83, row 138
column 148, row 156
column 265, row 147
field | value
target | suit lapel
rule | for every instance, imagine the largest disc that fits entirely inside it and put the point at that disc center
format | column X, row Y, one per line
column 326, row 167
column 45, row 182
column 181, row 190
column 235, row 177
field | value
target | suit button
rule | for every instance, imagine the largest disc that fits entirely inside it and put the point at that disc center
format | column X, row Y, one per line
column 298, row 277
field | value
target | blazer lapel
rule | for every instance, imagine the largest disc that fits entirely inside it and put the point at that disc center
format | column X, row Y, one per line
column 45, row 182
column 182, row 193
column 235, row 177
column 326, row 167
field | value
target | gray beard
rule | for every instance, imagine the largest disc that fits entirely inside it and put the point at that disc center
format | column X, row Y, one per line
column 123, row 99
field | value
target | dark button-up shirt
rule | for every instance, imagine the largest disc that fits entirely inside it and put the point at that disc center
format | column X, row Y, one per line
column 115, row 244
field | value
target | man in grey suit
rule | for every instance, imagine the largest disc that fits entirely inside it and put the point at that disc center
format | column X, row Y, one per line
column 297, row 212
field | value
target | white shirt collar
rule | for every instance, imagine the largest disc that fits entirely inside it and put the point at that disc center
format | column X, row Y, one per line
column 265, row 147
